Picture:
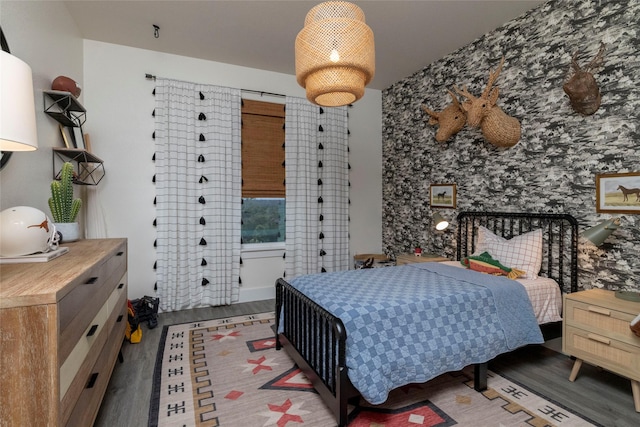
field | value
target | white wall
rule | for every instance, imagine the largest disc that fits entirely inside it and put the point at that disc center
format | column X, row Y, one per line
column 119, row 104
column 43, row 35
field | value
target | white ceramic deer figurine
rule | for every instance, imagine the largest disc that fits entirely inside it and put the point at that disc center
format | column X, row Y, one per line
column 497, row 127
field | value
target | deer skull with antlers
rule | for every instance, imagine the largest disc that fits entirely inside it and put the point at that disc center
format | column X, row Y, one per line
column 583, row 91
column 450, row 120
column 497, row 127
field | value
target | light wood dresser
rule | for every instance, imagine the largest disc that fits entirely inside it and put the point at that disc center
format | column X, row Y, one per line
column 596, row 330
column 61, row 328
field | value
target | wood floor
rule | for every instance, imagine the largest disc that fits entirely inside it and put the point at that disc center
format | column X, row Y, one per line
column 597, row 394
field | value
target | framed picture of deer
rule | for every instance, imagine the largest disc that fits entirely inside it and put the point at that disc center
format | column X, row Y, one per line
column 618, row 193
column 443, row 195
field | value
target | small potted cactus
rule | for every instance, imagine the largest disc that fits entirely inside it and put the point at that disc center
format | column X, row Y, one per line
column 64, row 208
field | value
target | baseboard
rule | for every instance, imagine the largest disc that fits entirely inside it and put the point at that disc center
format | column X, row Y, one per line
column 257, row 294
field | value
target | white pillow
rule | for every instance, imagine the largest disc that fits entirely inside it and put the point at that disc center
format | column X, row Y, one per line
column 523, row 252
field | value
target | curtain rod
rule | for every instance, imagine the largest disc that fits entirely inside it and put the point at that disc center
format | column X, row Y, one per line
column 262, row 93
column 259, row 92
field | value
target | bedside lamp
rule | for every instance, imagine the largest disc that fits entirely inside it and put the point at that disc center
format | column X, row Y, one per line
column 17, row 108
column 599, row 233
column 439, row 222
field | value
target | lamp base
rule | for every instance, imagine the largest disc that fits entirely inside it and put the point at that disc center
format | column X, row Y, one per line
column 628, row 295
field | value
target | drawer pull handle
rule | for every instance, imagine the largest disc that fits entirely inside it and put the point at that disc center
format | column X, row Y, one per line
column 598, row 338
column 92, row 331
column 121, row 285
column 91, row 281
column 599, row 310
column 120, row 253
column 119, row 319
column 92, row 380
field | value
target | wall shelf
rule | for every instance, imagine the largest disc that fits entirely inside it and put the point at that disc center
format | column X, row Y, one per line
column 64, row 108
column 88, row 170
column 67, row 110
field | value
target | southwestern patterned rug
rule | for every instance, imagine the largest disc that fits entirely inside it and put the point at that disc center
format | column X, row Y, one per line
column 226, row 372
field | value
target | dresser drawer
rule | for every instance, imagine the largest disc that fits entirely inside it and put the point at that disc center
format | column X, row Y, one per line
column 76, row 372
column 600, row 320
column 93, row 279
column 96, row 380
column 78, row 308
column 616, row 356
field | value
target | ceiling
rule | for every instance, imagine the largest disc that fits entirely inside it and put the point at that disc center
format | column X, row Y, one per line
column 409, row 35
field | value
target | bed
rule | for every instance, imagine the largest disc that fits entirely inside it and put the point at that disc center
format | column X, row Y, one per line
column 436, row 317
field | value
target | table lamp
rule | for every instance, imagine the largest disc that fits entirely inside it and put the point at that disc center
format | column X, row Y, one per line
column 17, row 105
column 599, row 233
column 439, row 222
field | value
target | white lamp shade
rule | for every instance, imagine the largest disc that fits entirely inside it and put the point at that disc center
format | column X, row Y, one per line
column 17, row 106
column 440, row 222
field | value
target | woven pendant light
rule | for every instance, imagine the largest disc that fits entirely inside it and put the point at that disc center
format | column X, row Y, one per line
column 335, row 56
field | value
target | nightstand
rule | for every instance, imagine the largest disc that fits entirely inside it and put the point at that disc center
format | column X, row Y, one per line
column 411, row 258
column 596, row 331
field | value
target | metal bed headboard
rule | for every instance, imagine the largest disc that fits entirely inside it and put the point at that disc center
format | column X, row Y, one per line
column 560, row 239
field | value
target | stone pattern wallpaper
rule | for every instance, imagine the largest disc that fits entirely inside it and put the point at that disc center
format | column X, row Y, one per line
column 553, row 167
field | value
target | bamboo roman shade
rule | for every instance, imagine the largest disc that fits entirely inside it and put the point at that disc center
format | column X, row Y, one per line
column 262, row 149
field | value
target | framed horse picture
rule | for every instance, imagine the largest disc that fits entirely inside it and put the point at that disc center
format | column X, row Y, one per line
column 443, row 195
column 618, row 193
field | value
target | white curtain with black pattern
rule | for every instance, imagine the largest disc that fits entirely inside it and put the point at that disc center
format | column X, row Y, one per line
column 198, row 194
column 317, row 188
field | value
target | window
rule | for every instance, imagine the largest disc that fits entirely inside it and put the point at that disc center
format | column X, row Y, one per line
column 263, row 220
column 263, row 186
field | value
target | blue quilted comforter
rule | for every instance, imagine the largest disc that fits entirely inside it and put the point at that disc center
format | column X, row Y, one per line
column 411, row 323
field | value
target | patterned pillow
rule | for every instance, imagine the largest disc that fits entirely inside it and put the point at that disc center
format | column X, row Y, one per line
column 523, row 252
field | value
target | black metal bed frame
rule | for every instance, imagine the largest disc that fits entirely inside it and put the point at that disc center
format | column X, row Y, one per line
column 316, row 339
column 560, row 239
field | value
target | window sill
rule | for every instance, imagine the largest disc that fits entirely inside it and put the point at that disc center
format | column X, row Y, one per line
column 263, row 250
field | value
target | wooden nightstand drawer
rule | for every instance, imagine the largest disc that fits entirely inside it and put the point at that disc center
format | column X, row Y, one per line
column 603, row 351
column 596, row 330
column 601, row 320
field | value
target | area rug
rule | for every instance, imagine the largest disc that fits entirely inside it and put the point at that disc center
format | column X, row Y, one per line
column 226, row 372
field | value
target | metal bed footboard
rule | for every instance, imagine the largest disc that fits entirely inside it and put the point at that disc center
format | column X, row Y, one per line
column 315, row 339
